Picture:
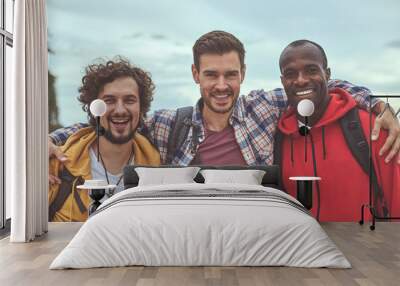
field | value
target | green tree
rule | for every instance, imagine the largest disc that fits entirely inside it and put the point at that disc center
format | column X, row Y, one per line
column 53, row 108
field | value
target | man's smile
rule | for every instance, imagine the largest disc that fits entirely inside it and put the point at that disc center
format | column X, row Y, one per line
column 120, row 124
column 222, row 98
column 304, row 92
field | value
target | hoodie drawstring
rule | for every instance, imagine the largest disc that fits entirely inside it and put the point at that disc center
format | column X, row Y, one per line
column 323, row 142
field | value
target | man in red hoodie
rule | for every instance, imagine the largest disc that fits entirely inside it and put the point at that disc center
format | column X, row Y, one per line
column 344, row 186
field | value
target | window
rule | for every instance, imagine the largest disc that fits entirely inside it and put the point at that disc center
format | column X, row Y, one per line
column 6, row 44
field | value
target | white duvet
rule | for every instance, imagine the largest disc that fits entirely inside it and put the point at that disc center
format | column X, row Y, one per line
column 225, row 225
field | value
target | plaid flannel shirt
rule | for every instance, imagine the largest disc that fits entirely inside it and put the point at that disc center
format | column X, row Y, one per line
column 254, row 120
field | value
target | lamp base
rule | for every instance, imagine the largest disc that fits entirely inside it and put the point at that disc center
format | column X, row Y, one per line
column 96, row 195
column 305, row 190
column 305, row 193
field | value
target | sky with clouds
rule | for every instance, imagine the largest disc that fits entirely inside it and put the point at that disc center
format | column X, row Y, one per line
column 361, row 39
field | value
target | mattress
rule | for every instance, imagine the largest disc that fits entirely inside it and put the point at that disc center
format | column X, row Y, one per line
column 201, row 225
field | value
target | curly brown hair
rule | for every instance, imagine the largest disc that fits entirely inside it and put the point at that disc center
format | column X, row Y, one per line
column 98, row 75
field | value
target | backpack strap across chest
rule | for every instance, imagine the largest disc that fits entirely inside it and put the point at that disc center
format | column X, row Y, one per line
column 68, row 181
column 358, row 145
column 179, row 131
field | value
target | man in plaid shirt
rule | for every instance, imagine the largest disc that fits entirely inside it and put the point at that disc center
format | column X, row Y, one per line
column 227, row 128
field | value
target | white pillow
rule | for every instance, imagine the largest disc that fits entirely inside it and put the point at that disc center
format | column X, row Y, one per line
column 163, row 176
column 249, row 177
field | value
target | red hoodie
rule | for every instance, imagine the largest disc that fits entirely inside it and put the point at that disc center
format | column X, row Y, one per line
column 344, row 186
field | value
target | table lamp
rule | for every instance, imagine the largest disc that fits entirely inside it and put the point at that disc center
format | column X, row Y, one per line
column 305, row 108
column 98, row 108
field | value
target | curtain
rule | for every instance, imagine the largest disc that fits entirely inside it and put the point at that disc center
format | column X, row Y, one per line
column 27, row 123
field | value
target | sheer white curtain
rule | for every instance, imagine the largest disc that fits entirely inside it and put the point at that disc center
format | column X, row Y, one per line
column 27, row 123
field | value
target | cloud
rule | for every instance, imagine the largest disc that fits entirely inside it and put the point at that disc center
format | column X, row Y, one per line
column 377, row 71
column 394, row 44
column 158, row 37
column 80, row 31
column 133, row 36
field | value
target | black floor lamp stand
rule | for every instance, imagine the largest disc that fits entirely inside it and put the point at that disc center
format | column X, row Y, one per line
column 371, row 205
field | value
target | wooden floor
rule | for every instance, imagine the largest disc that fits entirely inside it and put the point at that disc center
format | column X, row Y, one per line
column 374, row 255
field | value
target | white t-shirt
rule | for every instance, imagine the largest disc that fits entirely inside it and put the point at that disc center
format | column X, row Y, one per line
column 98, row 173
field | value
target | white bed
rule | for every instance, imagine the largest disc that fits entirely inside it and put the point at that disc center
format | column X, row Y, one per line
column 201, row 224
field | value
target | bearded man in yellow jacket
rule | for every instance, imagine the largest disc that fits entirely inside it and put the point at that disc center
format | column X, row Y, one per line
column 127, row 91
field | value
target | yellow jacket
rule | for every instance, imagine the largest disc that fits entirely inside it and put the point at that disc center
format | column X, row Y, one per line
column 76, row 148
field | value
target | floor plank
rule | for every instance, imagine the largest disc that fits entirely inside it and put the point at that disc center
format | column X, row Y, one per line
column 374, row 255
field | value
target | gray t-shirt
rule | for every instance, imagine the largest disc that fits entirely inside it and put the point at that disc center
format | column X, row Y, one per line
column 98, row 173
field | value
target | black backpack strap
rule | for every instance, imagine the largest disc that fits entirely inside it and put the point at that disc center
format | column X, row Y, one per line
column 278, row 141
column 358, row 145
column 144, row 131
column 179, row 131
column 65, row 189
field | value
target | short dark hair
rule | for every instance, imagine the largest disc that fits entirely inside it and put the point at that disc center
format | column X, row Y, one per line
column 303, row 42
column 98, row 75
column 217, row 42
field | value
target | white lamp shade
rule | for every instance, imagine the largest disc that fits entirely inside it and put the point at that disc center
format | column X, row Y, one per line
column 305, row 107
column 98, row 107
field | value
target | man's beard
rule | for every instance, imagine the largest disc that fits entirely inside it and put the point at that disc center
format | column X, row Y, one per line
column 120, row 140
column 211, row 107
column 207, row 102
